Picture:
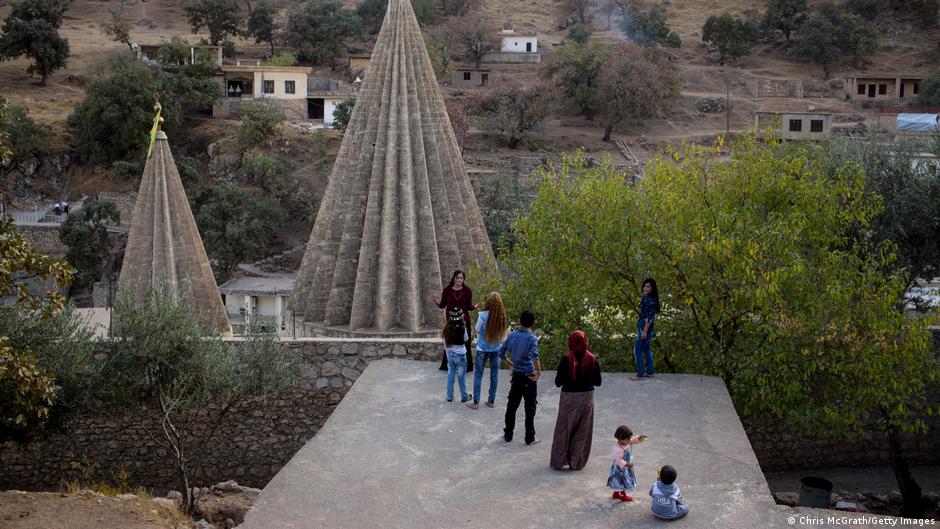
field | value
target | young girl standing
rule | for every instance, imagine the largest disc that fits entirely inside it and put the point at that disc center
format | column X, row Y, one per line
column 622, row 478
column 455, row 337
column 492, row 327
column 645, row 330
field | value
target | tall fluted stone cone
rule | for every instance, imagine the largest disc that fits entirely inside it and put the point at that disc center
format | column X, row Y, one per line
column 399, row 214
column 164, row 249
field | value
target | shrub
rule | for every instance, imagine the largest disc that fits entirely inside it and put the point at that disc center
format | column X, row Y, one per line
column 734, row 37
column 342, row 114
column 579, row 33
column 648, row 28
column 285, row 58
column 85, row 233
column 25, row 138
column 259, row 123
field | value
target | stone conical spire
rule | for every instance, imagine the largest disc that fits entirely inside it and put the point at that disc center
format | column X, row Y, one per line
column 399, row 214
column 164, row 247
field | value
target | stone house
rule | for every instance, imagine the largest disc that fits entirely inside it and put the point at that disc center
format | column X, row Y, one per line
column 266, row 297
column 881, row 87
column 470, row 77
column 356, row 65
column 795, row 125
column 284, row 85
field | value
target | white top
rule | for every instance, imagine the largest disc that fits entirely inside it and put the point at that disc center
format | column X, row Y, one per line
column 458, row 349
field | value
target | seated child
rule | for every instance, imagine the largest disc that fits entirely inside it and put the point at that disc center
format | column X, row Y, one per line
column 667, row 500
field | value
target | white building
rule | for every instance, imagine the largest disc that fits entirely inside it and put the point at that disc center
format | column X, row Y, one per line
column 513, row 42
column 266, row 297
column 323, row 96
column 285, row 85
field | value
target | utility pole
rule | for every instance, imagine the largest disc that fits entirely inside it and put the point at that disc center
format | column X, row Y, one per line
column 727, row 105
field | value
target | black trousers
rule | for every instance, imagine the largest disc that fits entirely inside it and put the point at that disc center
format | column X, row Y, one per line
column 521, row 387
column 469, row 357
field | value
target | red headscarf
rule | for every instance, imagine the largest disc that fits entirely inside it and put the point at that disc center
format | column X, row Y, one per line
column 579, row 358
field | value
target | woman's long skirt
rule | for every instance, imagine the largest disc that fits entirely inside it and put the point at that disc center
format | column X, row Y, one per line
column 574, row 429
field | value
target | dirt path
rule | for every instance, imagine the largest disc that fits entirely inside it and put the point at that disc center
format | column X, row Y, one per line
column 46, row 510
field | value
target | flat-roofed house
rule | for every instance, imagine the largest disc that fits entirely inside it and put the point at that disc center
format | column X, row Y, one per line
column 261, row 298
column 470, row 77
column 795, row 125
column 285, row 86
column 880, row 87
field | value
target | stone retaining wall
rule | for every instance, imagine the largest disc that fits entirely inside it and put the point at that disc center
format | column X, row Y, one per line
column 43, row 238
column 255, row 439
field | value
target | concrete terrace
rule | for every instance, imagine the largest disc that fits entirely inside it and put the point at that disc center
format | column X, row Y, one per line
column 394, row 454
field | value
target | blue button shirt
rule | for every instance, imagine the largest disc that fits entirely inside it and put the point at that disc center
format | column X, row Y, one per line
column 523, row 349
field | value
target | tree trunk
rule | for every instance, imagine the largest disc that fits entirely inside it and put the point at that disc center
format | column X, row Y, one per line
column 910, row 490
column 272, row 46
column 607, row 131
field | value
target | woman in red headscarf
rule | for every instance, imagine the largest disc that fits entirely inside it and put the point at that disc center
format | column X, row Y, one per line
column 578, row 373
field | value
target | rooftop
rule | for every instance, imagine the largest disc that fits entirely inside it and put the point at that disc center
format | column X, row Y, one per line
column 394, row 454
column 259, row 286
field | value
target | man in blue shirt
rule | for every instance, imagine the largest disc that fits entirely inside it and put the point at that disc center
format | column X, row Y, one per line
column 523, row 358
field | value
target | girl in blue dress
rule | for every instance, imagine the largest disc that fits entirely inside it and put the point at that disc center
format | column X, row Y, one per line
column 622, row 477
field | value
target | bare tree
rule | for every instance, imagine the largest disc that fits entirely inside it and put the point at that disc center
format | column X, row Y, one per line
column 637, row 85
column 513, row 111
column 476, row 34
column 581, row 8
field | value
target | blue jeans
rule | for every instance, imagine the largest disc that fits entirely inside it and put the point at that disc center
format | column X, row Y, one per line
column 642, row 353
column 483, row 358
column 457, row 364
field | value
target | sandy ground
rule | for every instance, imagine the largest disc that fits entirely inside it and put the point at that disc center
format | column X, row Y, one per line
column 47, row 510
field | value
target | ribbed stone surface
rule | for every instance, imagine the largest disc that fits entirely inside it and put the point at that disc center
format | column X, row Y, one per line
column 399, row 214
column 164, row 248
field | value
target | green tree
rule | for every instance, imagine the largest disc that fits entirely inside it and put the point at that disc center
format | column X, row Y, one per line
column 318, row 29
column 785, row 16
column 857, row 38
column 579, row 33
column 235, row 225
column 27, row 390
column 637, row 84
column 761, row 279
column 442, row 47
column 513, row 111
column 925, row 11
column 139, row 375
column 342, row 114
column 819, row 42
column 372, row 13
column 113, row 121
column 32, row 29
column 648, row 28
column 6, row 153
column 930, row 91
column 575, row 72
column 867, row 9
column 85, row 234
column 260, row 122
column 502, row 199
column 285, row 58
column 25, row 138
column 475, row 34
column 261, row 24
column 908, row 220
column 221, row 17
column 174, row 52
column 733, row 36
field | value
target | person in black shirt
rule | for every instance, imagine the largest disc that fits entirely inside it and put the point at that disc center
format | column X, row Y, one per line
column 577, row 375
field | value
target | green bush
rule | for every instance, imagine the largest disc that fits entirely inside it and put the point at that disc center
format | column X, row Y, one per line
column 85, row 234
column 261, row 170
column 649, row 28
column 734, row 37
column 579, row 33
column 25, row 138
column 342, row 114
column 259, row 123
column 285, row 58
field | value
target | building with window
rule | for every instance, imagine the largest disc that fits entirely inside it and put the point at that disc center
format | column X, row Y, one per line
column 516, row 48
column 262, row 299
column 284, row 85
column 882, row 87
column 323, row 96
column 795, row 125
column 470, row 77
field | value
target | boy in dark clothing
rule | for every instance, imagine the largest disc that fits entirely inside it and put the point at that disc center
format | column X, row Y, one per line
column 523, row 358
